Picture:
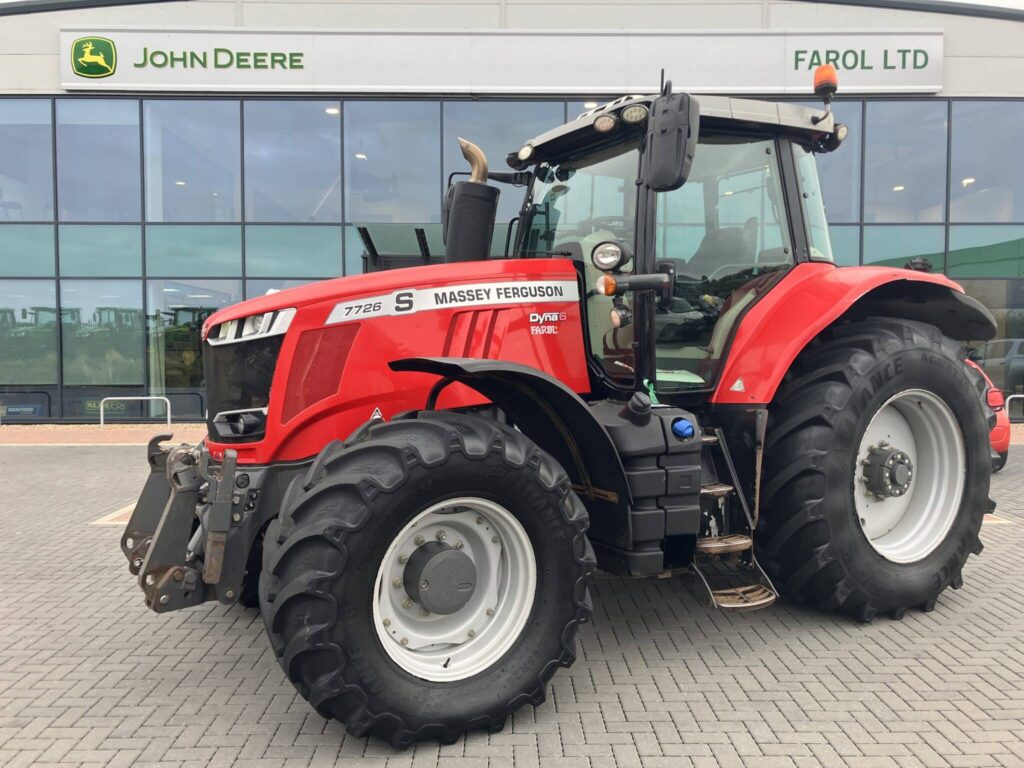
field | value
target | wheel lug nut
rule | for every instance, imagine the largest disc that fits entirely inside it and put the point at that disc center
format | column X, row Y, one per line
column 459, row 544
column 397, row 583
column 405, row 641
column 403, row 559
column 494, row 539
column 424, row 612
column 407, row 603
column 441, row 535
column 479, row 521
column 424, row 584
column 471, row 633
column 490, row 611
column 387, row 622
column 420, row 541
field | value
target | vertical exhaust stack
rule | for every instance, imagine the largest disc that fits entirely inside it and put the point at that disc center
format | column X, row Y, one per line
column 470, row 208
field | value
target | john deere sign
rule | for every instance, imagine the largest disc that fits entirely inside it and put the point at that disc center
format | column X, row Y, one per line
column 93, row 57
column 774, row 62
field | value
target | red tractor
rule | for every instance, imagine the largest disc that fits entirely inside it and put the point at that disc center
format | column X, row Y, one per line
column 415, row 472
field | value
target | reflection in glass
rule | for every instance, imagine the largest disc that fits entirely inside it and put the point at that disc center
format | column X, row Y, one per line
column 840, row 170
column 173, row 250
column 497, row 127
column 1005, row 299
column 283, row 251
column 987, row 175
column 101, row 331
column 192, row 160
column 98, row 159
column 845, row 245
column 392, row 164
column 26, row 160
column 895, row 246
column 293, row 161
column 100, row 250
column 26, row 250
column 986, row 251
column 905, row 161
column 256, row 288
column 28, row 332
column 177, row 309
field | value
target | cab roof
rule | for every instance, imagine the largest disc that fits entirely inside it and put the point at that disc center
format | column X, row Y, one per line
column 793, row 118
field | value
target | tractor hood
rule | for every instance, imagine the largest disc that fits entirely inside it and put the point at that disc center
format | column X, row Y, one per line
column 386, row 282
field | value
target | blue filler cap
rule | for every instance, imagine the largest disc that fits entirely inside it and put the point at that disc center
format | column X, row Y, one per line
column 682, row 428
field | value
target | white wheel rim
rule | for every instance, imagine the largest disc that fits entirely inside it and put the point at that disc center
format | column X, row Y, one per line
column 445, row 648
column 907, row 528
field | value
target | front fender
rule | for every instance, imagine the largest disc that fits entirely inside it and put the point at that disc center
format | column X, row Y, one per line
column 813, row 296
column 550, row 414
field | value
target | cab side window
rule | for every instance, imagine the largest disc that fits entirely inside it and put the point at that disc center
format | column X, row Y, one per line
column 725, row 229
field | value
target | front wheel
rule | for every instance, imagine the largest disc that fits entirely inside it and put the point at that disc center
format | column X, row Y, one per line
column 877, row 467
column 427, row 577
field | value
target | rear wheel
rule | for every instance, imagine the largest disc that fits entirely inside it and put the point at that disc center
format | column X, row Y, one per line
column 877, row 470
column 427, row 577
column 1000, row 462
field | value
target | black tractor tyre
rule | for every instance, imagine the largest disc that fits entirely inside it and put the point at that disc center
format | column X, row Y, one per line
column 810, row 538
column 1000, row 462
column 322, row 555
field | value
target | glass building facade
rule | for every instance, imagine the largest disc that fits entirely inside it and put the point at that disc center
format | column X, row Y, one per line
column 125, row 222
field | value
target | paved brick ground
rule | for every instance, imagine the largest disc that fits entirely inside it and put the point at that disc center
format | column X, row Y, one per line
column 89, row 677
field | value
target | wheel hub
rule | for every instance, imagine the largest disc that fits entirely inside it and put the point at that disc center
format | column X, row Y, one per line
column 440, row 578
column 887, row 471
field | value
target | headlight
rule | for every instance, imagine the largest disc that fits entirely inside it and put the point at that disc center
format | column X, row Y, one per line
column 606, row 256
column 272, row 323
column 525, row 153
column 604, row 123
column 634, row 114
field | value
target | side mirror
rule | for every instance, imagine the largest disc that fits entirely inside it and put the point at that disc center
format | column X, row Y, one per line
column 671, row 140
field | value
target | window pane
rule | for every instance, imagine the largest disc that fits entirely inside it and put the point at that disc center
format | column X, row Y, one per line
column 987, row 179
column 98, row 160
column 101, row 331
column 28, row 332
column 26, row 160
column 812, row 201
column 840, row 170
column 293, row 161
column 394, row 239
column 497, row 127
column 26, row 250
column 173, row 250
column 255, row 288
column 392, row 162
column 177, row 309
column 100, row 250
column 309, row 251
column 845, row 245
column 905, row 161
column 894, row 246
column 192, row 161
column 986, row 251
column 1003, row 357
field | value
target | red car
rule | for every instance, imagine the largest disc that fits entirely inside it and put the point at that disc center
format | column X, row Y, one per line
column 1000, row 434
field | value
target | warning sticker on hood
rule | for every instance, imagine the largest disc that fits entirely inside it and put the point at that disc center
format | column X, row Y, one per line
column 411, row 300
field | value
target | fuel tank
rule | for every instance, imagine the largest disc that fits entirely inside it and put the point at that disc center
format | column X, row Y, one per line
column 278, row 395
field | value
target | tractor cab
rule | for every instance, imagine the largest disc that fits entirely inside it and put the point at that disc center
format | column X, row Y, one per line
column 710, row 223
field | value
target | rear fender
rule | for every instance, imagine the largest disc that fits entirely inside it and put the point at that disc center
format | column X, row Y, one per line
column 551, row 415
column 813, row 296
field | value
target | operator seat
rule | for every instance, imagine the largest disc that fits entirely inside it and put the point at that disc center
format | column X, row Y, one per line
column 729, row 245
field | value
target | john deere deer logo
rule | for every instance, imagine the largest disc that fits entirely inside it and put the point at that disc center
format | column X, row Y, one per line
column 93, row 57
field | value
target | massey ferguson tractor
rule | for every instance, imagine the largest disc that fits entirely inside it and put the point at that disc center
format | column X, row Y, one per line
column 414, row 472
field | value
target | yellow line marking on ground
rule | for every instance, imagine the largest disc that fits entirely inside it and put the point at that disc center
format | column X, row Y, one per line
column 996, row 520
column 117, row 517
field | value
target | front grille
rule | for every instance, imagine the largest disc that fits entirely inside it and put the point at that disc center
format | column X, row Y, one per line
column 238, row 379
